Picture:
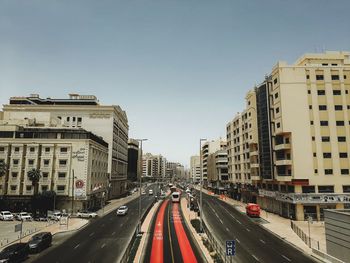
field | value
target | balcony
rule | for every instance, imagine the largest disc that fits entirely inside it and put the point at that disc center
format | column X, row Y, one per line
column 283, row 162
column 254, row 153
column 254, row 165
column 283, row 146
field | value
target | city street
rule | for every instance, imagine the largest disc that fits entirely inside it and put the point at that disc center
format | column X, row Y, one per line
column 103, row 240
column 253, row 243
column 170, row 241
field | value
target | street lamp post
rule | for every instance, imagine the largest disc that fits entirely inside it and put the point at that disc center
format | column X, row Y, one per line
column 139, row 223
column 200, row 193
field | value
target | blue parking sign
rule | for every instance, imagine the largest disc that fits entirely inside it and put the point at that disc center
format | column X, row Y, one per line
column 230, row 247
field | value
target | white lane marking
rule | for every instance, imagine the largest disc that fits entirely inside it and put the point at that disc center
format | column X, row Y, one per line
column 227, row 229
column 103, row 245
column 113, row 233
column 247, row 229
column 238, row 241
column 222, row 222
column 255, row 257
column 286, row 258
column 239, row 222
column 262, row 241
column 91, row 234
column 76, row 246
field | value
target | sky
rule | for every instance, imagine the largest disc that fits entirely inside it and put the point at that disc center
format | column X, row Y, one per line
column 179, row 68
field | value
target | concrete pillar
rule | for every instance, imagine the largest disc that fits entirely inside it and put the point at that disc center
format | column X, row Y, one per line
column 318, row 211
column 339, row 206
column 299, row 212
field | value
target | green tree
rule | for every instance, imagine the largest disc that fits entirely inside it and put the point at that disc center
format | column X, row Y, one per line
column 34, row 175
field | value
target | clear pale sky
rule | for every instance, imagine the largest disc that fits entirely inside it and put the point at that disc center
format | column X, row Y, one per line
column 180, row 68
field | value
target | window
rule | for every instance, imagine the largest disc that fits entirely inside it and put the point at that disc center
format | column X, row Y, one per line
column 311, row 122
column 16, row 149
column 346, row 188
column 319, row 77
column 29, row 188
column 344, row 76
column 335, row 77
column 339, row 123
column 277, row 110
column 46, row 162
column 45, row 175
column 2, row 149
column 307, row 76
column 63, row 150
column 308, row 189
column 315, row 154
column 276, row 95
column 343, row 155
column 63, row 162
column 15, row 162
column 344, row 171
column 47, row 149
column 13, row 187
column 61, row 175
column 308, row 91
column 324, row 123
column 310, row 107
column 327, row 155
column 278, row 125
column 313, row 138
column 328, row 171
column 275, row 81
column 325, row 138
column 44, row 188
column 336, row 92
column 322, row 107
column 346, row 91
column 324, row 64
column 32, row 149
column 61, row 188
column 31, row 162
column 14, row 174
column 321, row 92
column 338, row 107
column 79, row 119
column 326, row 189
column 315, row 171
column 341, row 139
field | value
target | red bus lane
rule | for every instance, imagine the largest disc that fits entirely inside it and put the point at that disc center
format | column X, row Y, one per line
column 185, row 246
column 157, row 243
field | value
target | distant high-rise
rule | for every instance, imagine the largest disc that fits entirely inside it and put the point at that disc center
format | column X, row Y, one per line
column 195, row 170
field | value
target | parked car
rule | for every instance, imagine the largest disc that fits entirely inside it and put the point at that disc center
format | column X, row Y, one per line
column 54, row 215
column 6, row 215
column 24, row 216
column 86, row 214
column 150, row 192
column 122, row 211
column 143, row 192
column 40, row 241
column 14, row 253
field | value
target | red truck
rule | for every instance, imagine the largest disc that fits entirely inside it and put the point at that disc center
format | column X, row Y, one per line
column 253, row 210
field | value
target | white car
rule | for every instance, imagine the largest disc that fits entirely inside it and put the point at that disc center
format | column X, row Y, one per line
column 122, row 211
column 54, row 215
column 6, row 215
column 86, row 214
column 24, row 216
column 143, row 192
column 150, row 192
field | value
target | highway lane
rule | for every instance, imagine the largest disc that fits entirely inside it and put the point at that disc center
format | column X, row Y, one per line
column 174, row 242
column 253, row 243
column 102, row 240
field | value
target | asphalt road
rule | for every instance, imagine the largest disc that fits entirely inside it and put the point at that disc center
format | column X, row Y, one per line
column 170, row 238
column 102, row 240
column 253, row 242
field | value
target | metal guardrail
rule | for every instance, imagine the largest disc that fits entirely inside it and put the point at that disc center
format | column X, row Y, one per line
column 312, row 243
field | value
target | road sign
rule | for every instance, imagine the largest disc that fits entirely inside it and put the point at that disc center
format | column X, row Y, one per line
column 18, row 227
column 230, row 247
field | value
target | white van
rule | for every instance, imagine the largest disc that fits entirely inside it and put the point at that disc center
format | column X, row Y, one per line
column 150, row 192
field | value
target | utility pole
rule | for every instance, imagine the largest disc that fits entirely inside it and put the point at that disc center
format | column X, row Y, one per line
column 72, row 191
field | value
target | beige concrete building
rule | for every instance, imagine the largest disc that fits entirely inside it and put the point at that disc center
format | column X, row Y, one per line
column 73, row 163
column 153, row 166
column 303, row 114
column 195, row 169
column 109, row 122
column 208, row 148
column 217, row 164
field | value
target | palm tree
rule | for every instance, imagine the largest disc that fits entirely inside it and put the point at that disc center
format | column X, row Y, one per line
column 34, row 175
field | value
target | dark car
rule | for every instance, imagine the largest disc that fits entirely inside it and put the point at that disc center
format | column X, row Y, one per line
column 14, row 253
column 40, row 241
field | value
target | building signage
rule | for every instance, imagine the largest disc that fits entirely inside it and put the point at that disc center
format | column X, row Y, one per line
column 79, row 184
column 79, row 155
column 267, row 193
column 313, row 198
column 230, row 248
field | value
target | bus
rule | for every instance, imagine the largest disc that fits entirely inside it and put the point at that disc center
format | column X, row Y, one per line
column 175, row 197
column 252, row 210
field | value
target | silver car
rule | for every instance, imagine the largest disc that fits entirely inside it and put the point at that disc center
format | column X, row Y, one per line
column 122, row 211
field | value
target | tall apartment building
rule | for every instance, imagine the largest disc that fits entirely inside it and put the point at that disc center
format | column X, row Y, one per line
column 80, row 111
column 195, row 169
column 303, row 121
column 133, row 160
column 210, row 147
column 153, row 165
column 242, row 150
column 218, row 179
column 73, row 163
